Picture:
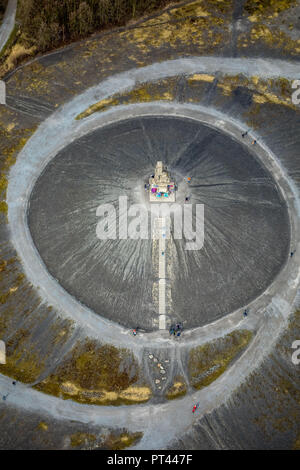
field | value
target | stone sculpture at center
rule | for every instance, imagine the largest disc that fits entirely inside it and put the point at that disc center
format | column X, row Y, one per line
column 161, row 188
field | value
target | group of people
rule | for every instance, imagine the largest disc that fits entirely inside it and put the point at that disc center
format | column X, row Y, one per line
column 254, row 141
column 176, row 330
column 4, row 397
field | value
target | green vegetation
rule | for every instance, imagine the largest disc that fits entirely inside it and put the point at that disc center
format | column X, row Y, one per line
column 208, row 362
column 97, row 374
column 80, row 439
column 112, row 441
column 51, row 23
column 267, row 7
column 156, row 91
column 122, row 441
column 10, row 41
column 22, row 362
column 177, row 390
column 42, row 426
column 3, row 207
column 43, row 25
column 9, row 158
column 296, row 445
column 267, row 17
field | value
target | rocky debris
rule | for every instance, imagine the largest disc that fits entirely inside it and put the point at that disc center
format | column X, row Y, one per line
column 158, row 367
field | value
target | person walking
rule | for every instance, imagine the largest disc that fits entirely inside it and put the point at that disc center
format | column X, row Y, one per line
column 195, row 407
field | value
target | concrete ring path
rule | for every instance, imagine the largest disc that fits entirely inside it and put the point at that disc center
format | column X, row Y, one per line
column 8, row 22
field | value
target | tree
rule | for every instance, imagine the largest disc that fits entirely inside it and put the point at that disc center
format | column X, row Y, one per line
column 85, row 19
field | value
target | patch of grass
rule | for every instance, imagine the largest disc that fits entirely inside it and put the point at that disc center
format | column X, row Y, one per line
column 9, row 159
column 102, row 105
column 296, row 445
column 10, row 41
column 177, row 390
column 16, row 54
column 22, row 363
column 202, row 24
column 98, row 374
column 270, row 36
column 274, row 37
column 142, row 94
column 200, row 77
column 275, row 91
column 18, row 281
column 203, row 8
column 3, row 210
column 122, row 441
column 82, row 438
column 43, row 426
column 111, row 441
column 208, row 362
column 267, row 7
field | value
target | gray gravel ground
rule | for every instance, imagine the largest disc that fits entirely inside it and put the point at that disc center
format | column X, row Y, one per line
column 246, row 221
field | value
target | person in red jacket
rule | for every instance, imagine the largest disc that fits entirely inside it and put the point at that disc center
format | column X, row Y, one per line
column 195, row 407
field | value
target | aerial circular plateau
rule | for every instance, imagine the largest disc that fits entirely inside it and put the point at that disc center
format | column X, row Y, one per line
column 246, row 224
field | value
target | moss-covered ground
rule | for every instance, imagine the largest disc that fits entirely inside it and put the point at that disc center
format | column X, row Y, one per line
column 207, row 362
